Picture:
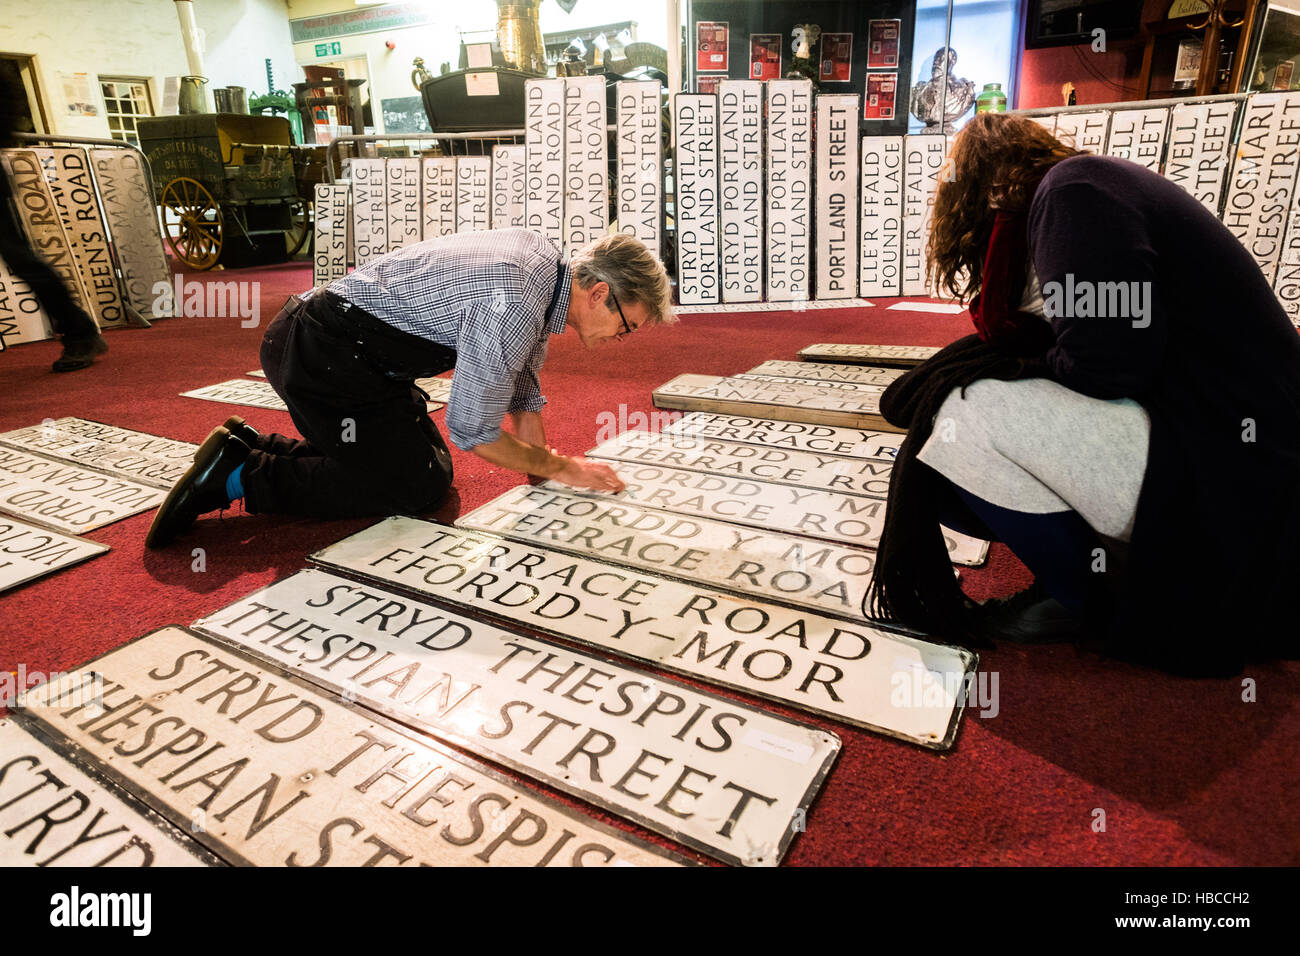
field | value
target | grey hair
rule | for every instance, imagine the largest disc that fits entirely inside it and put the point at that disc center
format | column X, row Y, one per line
column 631, row 271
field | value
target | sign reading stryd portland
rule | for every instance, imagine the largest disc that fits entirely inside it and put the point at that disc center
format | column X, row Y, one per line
column 695, row 128
column 789, row 190
column 544, row 145
column 822, row 515
column 586, row 162
column 439, row 199
column 832, row 667
column 837, row 196
column 740, row 173
column 639, row 156
column 777, row 400
column 721, row 777
column 797, row 436
column 28, row 552
column 821, row 372
column 881, row 251
column 133, row 223
column 330, row 252
column 267, row 771
column 402, row 188
column 901, row 355
column 148, row 459
column 59, row 495
column 766, row 565
column 52, row 813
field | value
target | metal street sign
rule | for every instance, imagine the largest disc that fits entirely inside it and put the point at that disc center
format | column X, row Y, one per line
column 797, row 436
column 825, row 372
column 902, row 355
column 59, row 495
column 28, row 552
column 148, row 459
column 777, row 400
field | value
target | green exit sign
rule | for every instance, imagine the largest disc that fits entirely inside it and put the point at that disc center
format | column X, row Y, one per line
column 327, row 49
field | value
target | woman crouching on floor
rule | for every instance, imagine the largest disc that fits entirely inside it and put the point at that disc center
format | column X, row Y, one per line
column 1126, row 419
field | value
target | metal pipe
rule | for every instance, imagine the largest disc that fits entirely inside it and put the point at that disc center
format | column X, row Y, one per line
column 190, row 36
column 1132, row 105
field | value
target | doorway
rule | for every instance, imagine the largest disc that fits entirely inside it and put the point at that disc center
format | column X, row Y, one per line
column 18, row 74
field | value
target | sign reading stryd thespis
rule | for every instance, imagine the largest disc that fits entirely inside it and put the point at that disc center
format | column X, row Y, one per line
column 838, row 668
column 717, row 775
column 265, row 770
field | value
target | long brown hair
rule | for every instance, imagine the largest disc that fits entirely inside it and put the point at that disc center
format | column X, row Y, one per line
column 996, row 163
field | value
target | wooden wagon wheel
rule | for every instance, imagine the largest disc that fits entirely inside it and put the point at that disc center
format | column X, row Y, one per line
column 299, row 230
column 193, row 222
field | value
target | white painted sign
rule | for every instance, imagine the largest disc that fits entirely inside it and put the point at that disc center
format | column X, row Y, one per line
column 331, row 220
column 240, row 391
column 695, row 129
column 28, row 552
column 439, row 200
column 815, row 383
column 1084, row 130
column 821, row 372
column 1200, row 140
column 740, row 174
column 881, row 252
column 639, row 151
column 402, row 185
column 1139, row 136
column 473, row 193
column 71, row 499
column 21, row 317
column 586, row 162
column 903, row 355
column 285, row 774
column 811, row 662
column 797, row 436
column 1263, row 177
column 777, row 400
column 1287, row 283
column 544, row 143
column 40, row 218
column 838, row 196
column 369, row 210
column 508, row 187
column 141, row 457
column 132, row 216
column 789, row 190
column 922, row 161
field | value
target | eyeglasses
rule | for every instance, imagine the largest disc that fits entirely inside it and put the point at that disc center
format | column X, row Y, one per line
column 627, row 329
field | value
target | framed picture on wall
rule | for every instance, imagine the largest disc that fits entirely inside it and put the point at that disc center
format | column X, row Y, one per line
column 765, row 56
column 711, row 38
column 837, row 57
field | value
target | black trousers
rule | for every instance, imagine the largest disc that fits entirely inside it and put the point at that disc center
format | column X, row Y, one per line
column 68, row 318
column 370, row 448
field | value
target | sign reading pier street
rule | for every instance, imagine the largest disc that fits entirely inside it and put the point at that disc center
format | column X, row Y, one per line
column 719, row 776
column 267, row 771
column 833, row 667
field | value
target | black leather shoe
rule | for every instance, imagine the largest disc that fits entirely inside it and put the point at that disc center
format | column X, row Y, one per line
column 245, row 432
column 200, row 490
column 79, row 352
column 1030, row 617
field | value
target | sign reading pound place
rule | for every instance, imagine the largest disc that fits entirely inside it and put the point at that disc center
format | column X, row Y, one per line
column 369, row 210
column 402, row 185
column 586, row 162
column 740, row 173
column 695, row 126
column 439, row 199
column 789, row 190
column 881, row 252
column 544, row 144
column 473, row 193
column 507, row 187
column 267, row 771
column 922, row 161
column 330, row 253
column 132, row 218
column 837, row 196
column 640, row 162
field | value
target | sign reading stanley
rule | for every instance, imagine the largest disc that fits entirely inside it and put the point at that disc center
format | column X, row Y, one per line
column 148, row 459
column 831, row 667
column 266, row 771
column 719, row 776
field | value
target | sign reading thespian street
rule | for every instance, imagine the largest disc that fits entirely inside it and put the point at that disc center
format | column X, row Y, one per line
column 719, row 776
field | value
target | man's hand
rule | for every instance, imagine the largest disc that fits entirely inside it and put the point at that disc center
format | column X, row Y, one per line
column 509, row 452
column 580, row 473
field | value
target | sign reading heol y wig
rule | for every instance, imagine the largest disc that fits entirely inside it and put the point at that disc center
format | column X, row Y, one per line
column 586, row 162
column 881, row 252
column 695, row 126
column 40, row 218
column 842, row 669
column 740, row 175
column 1084, row 130
column 923, row 159
column 507, row 187
column 265, row 770
column 1263, row 177
column 677, row 760
column 789, row 190
column 439, row 200
column 1139, row 136
column 639, row 154
column 837, row 196
column 145, row 458
column 544, row 145
column 473, row 193
column 797, row 436
column 369, row 210
column 1200, row 139
column 330, row 254
column 132, row 220
column 402, row 179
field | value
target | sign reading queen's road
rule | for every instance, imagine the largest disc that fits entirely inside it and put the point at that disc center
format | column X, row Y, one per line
column 695, row 123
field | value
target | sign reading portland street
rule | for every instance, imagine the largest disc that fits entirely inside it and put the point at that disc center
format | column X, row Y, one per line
column 837, row 196
column 677, row 760
column 266, row 771
column 741, row 189
column 695, row 126
column 836, row 668
column 640, row 162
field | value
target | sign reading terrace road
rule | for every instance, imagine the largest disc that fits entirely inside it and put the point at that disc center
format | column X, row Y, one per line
column 777, row 400
column 675, row 759
column 763, row 564
column 798, row 436
column 266, row 771
column 842, row 670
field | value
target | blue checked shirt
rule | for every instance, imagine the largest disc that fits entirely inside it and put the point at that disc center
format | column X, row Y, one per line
column 496, row 297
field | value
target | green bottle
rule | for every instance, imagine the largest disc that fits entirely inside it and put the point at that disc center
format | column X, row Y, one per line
column 992, row 100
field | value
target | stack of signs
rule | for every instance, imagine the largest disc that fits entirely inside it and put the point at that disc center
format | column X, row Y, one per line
column 837, row 196
column 402, row 185
column 147, row 459
column 132, row 217
column 695, row 124
column 789, row 190
column 586, row 162
column 1139, row 136
column 881, row 247
column 544, row 158
column 740, row 171
column 776, row 400
column 1084, row 130
column 473, row 193
column 922, row 160
column 1263, row 176
column 439, row 199
column 900, row 355
column 330, row 251
column 369, row 210
column 640, row 162
column 507, row 187
column 1200, row 138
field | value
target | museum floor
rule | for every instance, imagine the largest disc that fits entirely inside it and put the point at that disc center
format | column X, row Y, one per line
column 1186, row 773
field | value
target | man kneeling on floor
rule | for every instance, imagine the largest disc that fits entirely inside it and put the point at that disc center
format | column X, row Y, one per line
column 344, row 358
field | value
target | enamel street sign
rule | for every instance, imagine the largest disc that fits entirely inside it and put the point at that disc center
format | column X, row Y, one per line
column 901, row 355
column 148, row 459
column 777, row 400
column 28, row 552
column 815, row 383
column 797, row 436
column 826, row 372
column 68, row 498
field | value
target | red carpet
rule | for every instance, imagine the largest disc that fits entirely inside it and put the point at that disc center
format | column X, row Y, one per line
column 1184, row 771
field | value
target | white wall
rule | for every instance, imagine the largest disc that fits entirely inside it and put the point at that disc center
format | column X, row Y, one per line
column 142, row 38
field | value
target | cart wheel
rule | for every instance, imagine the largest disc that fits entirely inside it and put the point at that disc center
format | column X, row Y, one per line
column 295, row 237
column 193, row 222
